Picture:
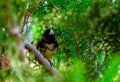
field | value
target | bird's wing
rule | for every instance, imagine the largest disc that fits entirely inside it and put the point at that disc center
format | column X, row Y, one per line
column 41, row 43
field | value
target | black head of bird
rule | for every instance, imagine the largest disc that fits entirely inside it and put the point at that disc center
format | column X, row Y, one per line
column 48, row 44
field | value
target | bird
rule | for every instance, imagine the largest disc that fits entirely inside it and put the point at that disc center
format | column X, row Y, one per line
column 47, row 44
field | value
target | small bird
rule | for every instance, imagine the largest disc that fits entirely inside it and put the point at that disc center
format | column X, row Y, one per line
column 48, row 44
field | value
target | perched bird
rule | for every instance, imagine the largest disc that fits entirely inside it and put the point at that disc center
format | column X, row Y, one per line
column 48, row 44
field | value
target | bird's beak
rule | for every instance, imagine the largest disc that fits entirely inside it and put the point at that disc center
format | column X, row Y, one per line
column 51, row 32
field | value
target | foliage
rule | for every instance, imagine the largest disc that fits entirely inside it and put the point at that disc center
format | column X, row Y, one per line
column 104, row 27
column 88, row 33
column 111, row 73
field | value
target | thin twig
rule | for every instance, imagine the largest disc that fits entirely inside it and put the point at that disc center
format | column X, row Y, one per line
column 77, row 44
column 6, row 11
column 57, row 10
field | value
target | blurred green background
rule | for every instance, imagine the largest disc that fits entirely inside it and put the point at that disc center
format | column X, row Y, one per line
column 88, row 33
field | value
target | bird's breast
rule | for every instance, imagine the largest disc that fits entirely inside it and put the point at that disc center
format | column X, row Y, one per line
column 49, row 54
column 48, row 51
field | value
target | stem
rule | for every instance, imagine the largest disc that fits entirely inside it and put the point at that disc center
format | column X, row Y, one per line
column 57, row 10
column 77, row 44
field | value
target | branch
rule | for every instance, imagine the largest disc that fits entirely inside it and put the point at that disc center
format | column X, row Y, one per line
column 14, row 31
column 40, row 58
